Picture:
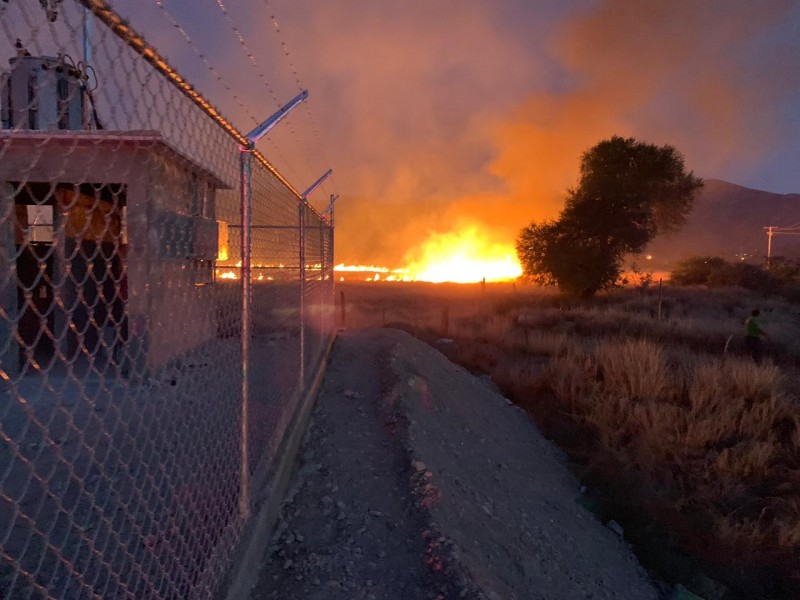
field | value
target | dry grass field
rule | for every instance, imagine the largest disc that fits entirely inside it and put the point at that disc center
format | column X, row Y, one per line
column 676, row 432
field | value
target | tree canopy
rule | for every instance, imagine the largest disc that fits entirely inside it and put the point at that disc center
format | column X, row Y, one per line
column 628, row 192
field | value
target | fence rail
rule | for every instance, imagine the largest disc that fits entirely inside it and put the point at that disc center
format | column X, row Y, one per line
column 146, row 381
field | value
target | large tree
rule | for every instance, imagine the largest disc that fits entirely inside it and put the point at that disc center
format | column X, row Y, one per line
column 628, row 192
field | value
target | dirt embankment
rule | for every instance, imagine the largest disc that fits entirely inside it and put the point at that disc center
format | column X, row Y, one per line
column 420, row 481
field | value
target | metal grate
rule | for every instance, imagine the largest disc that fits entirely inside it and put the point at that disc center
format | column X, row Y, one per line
column 128, row 451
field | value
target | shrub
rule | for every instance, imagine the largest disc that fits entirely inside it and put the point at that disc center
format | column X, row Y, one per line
column 696, row 270
column 744, row 275
column 717, row 272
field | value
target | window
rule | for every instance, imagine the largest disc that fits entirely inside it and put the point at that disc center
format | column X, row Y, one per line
column 40, row 223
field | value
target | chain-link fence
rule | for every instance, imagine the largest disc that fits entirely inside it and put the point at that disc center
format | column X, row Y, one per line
column 146, row 383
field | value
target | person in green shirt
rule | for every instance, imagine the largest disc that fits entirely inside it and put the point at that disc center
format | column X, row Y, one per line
column 753, row 332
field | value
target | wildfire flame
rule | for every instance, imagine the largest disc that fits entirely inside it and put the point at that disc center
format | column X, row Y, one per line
column 361, row 268
column 465, row 256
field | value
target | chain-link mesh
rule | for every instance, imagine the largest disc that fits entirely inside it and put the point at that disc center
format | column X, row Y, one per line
column 125, row 466
column 318, row 278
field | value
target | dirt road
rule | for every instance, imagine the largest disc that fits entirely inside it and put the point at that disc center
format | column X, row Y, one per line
column 416, row 480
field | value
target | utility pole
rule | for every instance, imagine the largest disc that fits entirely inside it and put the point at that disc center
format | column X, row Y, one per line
column 772, row 231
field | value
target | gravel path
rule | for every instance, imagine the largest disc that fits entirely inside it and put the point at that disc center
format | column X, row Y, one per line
column 416, row 481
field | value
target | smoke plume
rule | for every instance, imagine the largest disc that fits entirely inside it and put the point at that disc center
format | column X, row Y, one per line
column 446, row 118
column 457, row 114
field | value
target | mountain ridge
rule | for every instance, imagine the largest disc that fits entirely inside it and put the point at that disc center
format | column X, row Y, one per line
column 728, row 220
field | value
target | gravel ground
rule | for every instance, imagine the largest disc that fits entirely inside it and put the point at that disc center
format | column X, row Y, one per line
column 417, row 480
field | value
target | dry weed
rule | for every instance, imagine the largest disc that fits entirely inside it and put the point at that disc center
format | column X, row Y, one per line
column 745, row 459
column 541, row 318
column 641, row 398
column 545, row 343
column 571, row 378
column 525, row 375
column 734, row 400
column 661, row 427
column 717, row 380
column 609, row 416
column 754, row 381
column 789, row 532
column 633, row 369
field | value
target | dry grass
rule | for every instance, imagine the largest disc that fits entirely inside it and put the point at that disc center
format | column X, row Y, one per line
column 711, row 441
column 714, row 438
column 542, row 343
column 571, row 378
column 632, row 369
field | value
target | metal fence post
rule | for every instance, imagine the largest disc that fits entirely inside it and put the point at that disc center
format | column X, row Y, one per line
column 321, row 308
column 247, row 200
column 246, row 156
column 302, row 217
column 9, row 349
column 332, row 251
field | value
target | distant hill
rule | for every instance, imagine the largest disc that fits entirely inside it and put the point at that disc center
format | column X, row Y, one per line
column 728, row 220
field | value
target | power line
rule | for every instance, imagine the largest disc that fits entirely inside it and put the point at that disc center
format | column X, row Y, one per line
column 772, row 231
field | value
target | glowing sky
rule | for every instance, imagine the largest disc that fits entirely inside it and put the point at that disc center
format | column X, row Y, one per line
column 450, row 115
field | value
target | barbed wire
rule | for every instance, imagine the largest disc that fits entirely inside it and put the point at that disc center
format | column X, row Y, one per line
column 290, row 62
column 289, row 122
column 250, row 55
column 187, row 38
column 218, row 76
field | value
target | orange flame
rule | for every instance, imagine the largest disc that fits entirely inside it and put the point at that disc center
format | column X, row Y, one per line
column 465, row 256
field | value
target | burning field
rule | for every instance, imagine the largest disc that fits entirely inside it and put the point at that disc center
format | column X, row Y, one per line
column 678, row 436
column 464, row 257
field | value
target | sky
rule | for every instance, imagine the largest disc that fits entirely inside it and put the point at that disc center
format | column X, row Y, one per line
column 445, row 117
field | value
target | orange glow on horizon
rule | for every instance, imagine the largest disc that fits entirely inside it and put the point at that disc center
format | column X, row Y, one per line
column 360, row 268
column 466, row 256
